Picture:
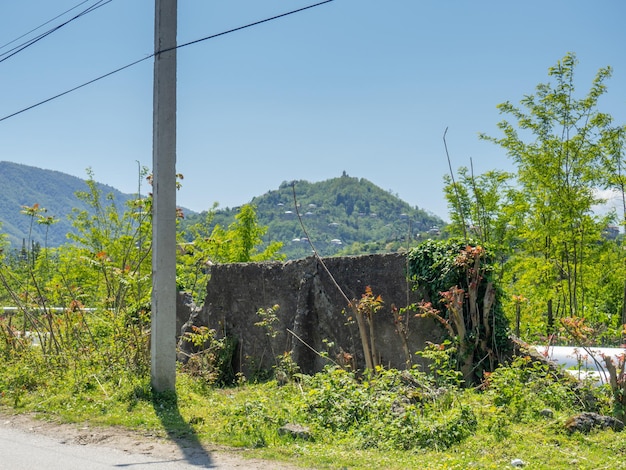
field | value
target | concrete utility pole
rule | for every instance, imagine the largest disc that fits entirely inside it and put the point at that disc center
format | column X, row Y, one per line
column 163, row 331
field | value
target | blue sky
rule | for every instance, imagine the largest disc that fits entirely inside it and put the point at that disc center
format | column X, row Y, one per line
column 362, row 86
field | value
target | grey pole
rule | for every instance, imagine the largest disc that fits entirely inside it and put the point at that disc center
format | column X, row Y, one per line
column 163, row 329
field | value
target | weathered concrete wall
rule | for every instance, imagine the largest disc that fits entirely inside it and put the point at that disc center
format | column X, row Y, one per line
column 311, row 307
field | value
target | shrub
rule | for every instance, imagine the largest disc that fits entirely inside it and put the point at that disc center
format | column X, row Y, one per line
column 386, row 409
column 526, row 387
column 455, row 280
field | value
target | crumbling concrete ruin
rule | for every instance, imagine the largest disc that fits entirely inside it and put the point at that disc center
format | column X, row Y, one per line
column 313, row 316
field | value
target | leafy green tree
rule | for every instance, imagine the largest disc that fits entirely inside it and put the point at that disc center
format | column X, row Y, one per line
column 481, row 208
column 107, row 269
column 615, row 167
column 110, row 258
column 559, row 143
column 237, row 244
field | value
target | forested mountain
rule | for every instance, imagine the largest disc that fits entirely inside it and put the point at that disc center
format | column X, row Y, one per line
column 340, row 215
column 23, row 185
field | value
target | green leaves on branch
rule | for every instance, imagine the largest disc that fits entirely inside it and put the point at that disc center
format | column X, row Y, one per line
column 541, row 218
column 238, row 243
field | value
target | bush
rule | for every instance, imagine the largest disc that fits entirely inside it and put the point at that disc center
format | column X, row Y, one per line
column 387, row 409
column 526, row 387
column 458, row 289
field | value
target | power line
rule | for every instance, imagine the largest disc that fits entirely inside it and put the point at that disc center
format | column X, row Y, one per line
column 42, row 25
column 244, row 27
column 75, row 88
column 160, row 52
column 11, row 52
column 17, row 49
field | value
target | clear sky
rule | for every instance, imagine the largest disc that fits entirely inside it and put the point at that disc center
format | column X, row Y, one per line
column 362, row 86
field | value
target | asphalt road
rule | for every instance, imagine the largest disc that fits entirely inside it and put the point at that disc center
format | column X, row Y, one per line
column 29, row 444
column 20, row 450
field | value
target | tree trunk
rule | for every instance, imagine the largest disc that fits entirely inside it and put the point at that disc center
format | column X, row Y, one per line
column 550, row 318
column 364, row 340
column 375, row 360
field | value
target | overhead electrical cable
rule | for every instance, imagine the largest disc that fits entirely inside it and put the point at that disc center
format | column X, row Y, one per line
column 42, row 25
column 11, row 52
column 75, row 88
column 17, row 49
column 157, row 53
column 243, row 27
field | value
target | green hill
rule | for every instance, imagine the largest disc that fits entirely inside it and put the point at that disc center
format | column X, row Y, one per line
column 341, row 215
column 344, row 215
column 23, row 185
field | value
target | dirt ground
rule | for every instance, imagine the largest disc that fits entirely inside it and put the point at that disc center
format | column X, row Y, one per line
column 139, row 443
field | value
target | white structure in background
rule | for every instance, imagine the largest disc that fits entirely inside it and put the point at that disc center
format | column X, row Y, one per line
column 582, row 362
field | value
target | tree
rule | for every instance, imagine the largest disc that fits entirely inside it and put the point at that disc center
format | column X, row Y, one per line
column 111, row 250
column 481, row 208
column 237, row 244
column 455, row 280
column 560, row 144
column 614, row 165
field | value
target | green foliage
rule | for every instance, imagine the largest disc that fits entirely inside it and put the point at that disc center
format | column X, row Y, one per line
column 524, row 389
column 268, row 317
column 24, row 368
column 539, row 221
column 53, row 334
column 481, row 208
column 387, row 409
column 209, row 243
column 562, row 146
column 192, row 264
column 442, row 364
column 432, row 266
column 212, row 360
column 239, row 243
column 72, row 350
column 253, row 420
column 390, row 419
column 476, row 203
column 251, row 423
column 110, row 260
column 285, row 368
column 108, row 269
column 455, row 279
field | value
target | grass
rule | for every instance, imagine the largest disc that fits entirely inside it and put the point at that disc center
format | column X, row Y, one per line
column 359, row 432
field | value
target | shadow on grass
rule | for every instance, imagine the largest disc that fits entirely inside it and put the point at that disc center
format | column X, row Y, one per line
column 179, row 431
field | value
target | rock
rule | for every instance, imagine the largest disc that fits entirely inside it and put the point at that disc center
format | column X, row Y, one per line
column 547, row 413
column 296, row 431
column 518, row 463
column 585, row 422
